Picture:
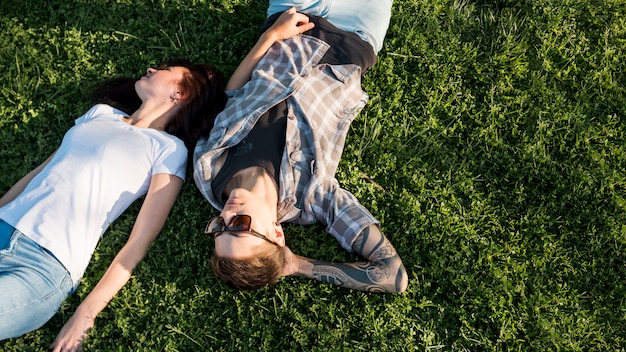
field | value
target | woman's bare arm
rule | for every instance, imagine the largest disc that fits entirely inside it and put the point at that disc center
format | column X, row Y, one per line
column 164, row 189
column 20, row 185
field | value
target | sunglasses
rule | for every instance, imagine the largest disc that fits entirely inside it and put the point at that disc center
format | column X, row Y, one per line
column 238, row 224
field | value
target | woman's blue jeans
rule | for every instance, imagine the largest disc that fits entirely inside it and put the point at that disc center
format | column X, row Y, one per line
column 33, row 283
column 367, row 18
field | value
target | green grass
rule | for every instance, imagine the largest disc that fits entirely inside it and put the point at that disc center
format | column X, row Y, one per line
column 493, row 151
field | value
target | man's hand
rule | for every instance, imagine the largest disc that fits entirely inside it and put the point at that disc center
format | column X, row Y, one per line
column 73, row 333
column 290, row 23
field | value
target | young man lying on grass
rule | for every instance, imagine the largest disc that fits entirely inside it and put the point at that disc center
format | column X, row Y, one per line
column 273, row 152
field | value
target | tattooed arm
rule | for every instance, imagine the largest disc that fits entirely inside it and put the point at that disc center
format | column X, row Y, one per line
column 382, row 271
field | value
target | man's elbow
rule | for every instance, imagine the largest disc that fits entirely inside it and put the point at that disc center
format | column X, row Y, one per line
column 399, row 280
column 402, row 280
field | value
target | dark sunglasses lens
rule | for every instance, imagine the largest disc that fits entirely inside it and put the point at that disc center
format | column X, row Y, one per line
column 215, row 225
column 240, row 223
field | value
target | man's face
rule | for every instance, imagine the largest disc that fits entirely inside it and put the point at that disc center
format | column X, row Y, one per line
column 243, row 245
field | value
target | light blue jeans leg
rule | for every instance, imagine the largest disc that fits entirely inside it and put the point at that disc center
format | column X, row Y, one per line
column 33, row 284
column 367, row 18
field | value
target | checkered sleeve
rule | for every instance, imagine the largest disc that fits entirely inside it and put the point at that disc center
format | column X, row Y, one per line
column 345, row 218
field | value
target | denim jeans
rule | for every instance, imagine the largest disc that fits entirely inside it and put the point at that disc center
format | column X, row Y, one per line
column 367, row 18
column 33, row 283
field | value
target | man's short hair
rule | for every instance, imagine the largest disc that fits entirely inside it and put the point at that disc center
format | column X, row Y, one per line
column 263, row 269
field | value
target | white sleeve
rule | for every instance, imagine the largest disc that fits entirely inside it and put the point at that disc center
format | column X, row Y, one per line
column 89, row 115
column 172, row 159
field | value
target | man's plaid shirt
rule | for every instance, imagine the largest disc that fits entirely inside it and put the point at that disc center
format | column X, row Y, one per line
column 322, row 101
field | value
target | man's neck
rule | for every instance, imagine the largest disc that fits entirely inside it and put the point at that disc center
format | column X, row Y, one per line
column 256, row 180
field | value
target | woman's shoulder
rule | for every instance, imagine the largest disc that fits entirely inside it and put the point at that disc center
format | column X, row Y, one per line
column 106, row 109
column 100, row 111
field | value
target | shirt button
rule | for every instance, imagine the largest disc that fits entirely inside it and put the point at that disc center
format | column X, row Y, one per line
column 291, row 117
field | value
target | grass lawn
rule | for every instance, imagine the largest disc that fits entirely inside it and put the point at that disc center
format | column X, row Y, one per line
column 493, row 151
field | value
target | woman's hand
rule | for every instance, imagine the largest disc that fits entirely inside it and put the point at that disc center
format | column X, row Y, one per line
column 289, row 24
column 71, row 336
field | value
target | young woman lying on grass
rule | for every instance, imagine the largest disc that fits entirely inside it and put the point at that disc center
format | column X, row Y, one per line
column 132, row 142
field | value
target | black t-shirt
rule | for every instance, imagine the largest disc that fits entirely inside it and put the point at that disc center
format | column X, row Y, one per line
column 263, row 147
column 265, row 143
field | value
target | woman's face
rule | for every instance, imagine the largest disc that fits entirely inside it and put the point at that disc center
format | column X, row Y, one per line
column 162, row 84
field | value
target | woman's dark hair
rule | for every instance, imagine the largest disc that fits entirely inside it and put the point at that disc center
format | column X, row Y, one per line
column 203, row 88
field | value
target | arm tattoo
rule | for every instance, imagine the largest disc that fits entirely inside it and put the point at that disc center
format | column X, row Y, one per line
column 373, row 275
column 373, row 246
column 346, row 276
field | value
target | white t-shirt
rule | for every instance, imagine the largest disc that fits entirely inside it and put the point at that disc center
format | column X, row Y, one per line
column 101, row 167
